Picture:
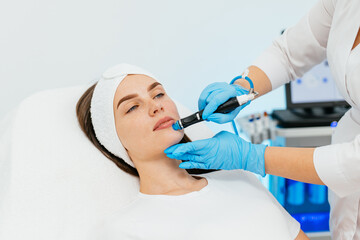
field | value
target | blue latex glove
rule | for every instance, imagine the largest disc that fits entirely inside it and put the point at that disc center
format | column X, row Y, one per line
column 216, row 94
column 224, row 151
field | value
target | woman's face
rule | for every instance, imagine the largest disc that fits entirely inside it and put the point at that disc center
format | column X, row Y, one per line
column 144, row 115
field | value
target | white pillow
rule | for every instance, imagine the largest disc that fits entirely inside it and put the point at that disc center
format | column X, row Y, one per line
column 54, row 184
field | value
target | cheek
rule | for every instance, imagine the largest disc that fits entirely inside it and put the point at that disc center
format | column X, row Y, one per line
column 131, row 132
column 172, row 109
column 167, row 138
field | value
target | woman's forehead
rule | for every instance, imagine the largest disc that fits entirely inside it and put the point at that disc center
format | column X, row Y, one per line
column 133, row 84
column 136, row 80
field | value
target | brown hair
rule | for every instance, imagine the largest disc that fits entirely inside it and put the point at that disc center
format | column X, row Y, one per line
column 84, row 119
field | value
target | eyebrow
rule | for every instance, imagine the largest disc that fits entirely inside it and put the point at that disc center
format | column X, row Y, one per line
column 128, row 97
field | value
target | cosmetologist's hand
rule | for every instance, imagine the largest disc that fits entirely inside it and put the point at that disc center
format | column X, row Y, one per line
column 224, row 151
column 216, row 94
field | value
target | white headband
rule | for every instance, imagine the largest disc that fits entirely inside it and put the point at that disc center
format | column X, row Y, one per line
column 102, row 113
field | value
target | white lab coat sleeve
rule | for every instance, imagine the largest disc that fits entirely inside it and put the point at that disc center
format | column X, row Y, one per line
column 338, row 166
column 300, row 47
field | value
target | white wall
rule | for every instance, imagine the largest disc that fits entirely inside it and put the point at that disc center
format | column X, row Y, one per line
column 187, row 44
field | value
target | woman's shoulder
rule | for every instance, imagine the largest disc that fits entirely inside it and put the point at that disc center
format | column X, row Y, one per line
column 237, row 180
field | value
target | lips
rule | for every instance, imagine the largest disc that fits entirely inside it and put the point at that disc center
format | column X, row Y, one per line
column 164, row 122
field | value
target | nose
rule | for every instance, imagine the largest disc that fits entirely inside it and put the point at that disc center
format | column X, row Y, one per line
column 155, row 107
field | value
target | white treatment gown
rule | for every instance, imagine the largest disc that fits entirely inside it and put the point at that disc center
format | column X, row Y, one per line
column 328, row 31
column 234, row 205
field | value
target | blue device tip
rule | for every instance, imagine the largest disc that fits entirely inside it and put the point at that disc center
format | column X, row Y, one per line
column 176, row 126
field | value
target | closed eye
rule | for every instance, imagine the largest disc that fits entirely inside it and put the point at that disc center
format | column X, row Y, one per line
column 132, row 108
column 159, row 95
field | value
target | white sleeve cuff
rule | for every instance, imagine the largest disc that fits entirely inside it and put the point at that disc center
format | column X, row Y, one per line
column 330, row 170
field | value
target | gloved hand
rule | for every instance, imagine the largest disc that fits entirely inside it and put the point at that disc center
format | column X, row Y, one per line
column 224, row 151
column 216, row 94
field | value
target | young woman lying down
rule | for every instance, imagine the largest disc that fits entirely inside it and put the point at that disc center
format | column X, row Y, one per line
column 128, row 116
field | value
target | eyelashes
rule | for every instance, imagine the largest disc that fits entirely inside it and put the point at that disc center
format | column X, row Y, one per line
column 159, row 95
column 134, row 107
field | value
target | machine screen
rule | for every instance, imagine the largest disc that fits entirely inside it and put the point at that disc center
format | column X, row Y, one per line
column 316, row 85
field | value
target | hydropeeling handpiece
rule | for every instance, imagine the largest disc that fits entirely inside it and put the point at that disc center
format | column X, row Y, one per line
column 229, row 106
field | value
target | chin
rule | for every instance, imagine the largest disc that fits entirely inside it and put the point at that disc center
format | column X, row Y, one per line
column 170, row 138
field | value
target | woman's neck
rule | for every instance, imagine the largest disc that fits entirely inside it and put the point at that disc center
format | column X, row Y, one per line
column 162, row 176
